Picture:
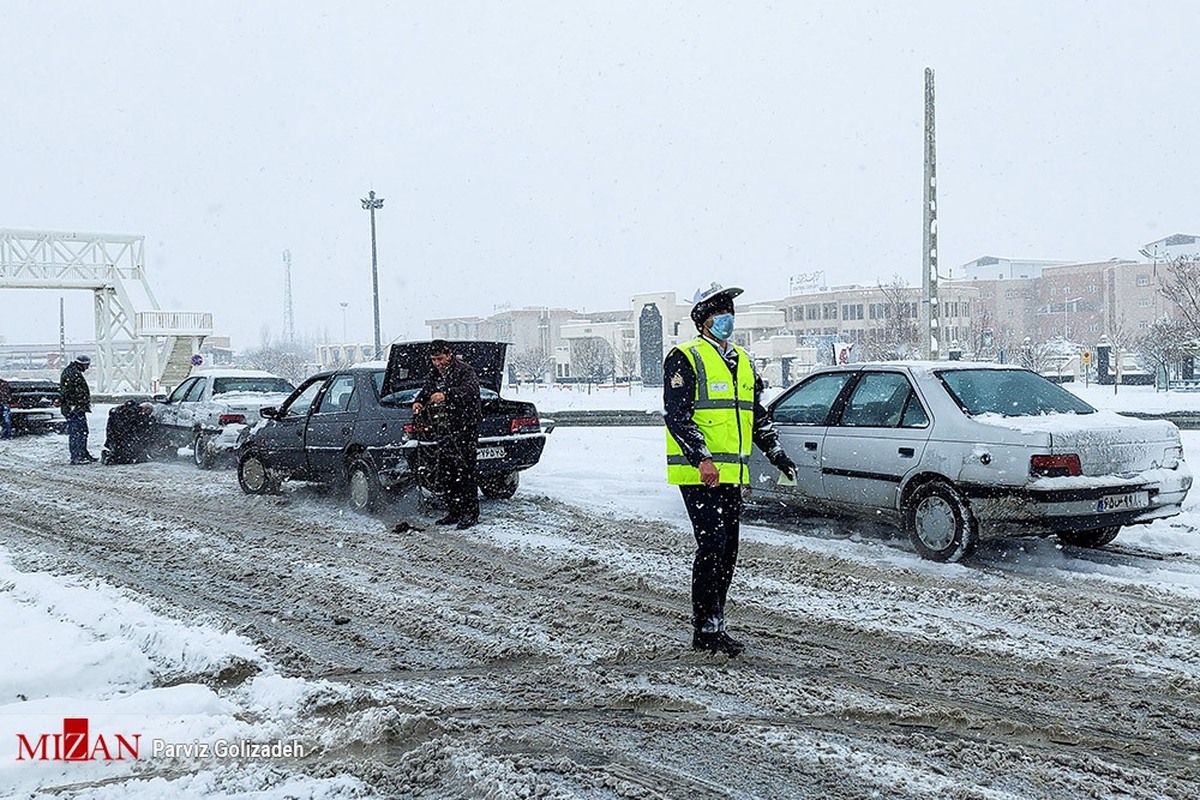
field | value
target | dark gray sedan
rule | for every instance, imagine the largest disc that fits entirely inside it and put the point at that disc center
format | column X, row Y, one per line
column 354, row 428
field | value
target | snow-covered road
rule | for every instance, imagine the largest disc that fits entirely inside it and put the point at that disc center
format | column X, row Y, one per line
column 544, row 653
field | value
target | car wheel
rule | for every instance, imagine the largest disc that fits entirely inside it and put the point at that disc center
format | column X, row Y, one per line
column 362, row 486
column 501, row 487
column 1096, row 538
column 940, row 523
column 200, row 455
column 254, row 476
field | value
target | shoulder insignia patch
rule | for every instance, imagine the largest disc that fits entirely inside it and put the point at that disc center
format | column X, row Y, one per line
column 676, row 381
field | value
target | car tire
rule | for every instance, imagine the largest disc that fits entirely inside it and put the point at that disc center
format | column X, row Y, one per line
column 254, row 475
column 1096, row 538
column 200, row 455
column 940, row 523
column 362, row 486
column 501, row 487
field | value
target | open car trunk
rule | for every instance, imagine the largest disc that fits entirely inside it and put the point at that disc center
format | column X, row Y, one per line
column 409, row 366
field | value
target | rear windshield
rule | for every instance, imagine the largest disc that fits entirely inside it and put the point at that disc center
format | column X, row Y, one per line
column 405, row 397
column 226, row 385
column 1010, row 392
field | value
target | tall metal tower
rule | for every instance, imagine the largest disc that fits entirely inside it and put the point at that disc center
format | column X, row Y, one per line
column 289, row 320
column 931, row 314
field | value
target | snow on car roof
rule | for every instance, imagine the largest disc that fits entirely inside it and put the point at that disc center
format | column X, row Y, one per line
column 231, row 372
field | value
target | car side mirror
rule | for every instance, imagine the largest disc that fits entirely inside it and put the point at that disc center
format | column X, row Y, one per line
column 159, row 398
column 270, row 412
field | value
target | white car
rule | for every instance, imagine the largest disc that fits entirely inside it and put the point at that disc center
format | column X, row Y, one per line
column 211, row 407
column 959, row 452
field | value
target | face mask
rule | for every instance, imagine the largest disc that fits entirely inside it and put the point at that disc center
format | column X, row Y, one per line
column 722, row 327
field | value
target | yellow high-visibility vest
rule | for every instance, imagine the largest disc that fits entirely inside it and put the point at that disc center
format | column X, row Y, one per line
column 724, row 413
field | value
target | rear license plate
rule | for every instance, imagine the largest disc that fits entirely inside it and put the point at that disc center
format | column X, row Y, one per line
column 489, row 452
column 1123, row 502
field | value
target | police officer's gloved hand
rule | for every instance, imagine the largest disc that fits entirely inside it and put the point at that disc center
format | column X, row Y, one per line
column 785, row 465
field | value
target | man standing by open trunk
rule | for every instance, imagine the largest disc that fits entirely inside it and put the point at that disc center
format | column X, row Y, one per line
column 453, row 390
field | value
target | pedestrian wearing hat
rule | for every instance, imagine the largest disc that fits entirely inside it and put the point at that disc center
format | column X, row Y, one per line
column 75, row 401
column 713, row 410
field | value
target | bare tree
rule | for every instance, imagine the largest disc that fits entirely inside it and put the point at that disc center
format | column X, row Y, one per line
column 286, row 361
column 900, row 337
column 531, row 363
column 1165, row 344
column 592, row 359
column 1182, row 287
column 628, row 359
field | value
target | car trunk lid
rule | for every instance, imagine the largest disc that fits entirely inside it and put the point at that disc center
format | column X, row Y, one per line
column 1112, row 444
column 409, row 365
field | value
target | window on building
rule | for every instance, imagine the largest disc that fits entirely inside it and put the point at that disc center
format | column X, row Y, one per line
column 1143, row 280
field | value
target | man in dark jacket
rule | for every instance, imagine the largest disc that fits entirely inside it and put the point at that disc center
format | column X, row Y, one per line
column 5, row 409
column 453, row 390
column 129, row 434
column 75, row 402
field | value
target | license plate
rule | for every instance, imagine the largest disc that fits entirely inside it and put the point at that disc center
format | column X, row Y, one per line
column 1123, row 502
column 490, row 452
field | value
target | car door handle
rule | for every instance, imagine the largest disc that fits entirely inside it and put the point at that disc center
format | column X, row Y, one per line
column 810, row 445
column 907, row 452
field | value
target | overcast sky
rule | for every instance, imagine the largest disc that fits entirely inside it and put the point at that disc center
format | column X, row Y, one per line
column 573, row 154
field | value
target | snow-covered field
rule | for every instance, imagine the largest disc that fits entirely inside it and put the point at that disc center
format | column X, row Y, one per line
column 544, row 652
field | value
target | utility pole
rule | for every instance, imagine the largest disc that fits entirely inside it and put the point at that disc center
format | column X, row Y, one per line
column 62, row 333
column 929, row 280
column 289, row 321
column 370, row 203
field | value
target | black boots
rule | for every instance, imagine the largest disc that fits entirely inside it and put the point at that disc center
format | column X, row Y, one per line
column 719, row 642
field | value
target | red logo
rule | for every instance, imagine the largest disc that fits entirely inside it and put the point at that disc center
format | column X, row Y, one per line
column 75, row 744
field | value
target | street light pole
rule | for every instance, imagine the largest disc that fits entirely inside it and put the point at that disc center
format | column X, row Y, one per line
column 345, row 338
column 370, row 203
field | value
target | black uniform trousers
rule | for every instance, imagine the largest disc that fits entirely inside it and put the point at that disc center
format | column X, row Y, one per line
column 457, row 462
column 716, row 514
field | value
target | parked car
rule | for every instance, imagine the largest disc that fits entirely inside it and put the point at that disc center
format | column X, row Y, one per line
column 957, row 453
column 354, row 428
column 209, row 410
column 35, row 407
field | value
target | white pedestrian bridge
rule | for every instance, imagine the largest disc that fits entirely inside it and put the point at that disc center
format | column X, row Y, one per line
column 139, row 346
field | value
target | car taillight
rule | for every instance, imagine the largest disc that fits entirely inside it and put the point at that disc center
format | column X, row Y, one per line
column 1171, row 457
column 525, row 425
column 230, row 419
column 410, row 429
column 1055, row 466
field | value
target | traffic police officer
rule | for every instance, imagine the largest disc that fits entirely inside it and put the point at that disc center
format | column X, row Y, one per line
column 712, row 402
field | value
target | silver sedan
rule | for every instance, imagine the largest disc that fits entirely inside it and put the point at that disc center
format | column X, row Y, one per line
column 959, row 452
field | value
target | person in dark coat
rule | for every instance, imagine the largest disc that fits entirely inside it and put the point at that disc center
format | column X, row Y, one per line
column 453, row 389
column 75, row 401
column 5, row 409
column 129, row 435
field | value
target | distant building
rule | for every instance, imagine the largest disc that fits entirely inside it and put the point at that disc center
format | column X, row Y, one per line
column 1170, row 248
column 332, row 356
